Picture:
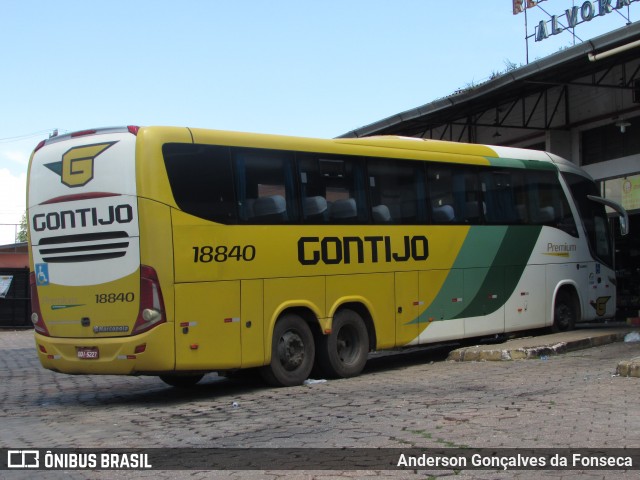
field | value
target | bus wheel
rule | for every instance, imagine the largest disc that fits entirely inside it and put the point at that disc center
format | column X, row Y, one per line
column 343, row 353
column 292, row 353
column 181, row 381
column 565, row 313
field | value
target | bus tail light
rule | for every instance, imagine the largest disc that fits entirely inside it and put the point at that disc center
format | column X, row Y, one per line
column 151, row 312
column 36, row 314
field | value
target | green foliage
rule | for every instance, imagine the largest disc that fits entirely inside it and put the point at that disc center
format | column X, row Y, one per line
column 22, row 231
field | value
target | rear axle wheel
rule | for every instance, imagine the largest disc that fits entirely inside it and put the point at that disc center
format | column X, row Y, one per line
column 292, row 353
column 343, row 353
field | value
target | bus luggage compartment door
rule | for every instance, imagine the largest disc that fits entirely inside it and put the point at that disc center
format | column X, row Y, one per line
column 407, row 308
column 207, row 326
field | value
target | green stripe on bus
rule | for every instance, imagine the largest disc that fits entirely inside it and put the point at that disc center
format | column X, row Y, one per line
column 479, row 282
column 500, row 282
column 479, row 248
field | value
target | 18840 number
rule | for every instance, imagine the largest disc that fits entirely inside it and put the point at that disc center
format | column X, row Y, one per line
column 222, row 253
column 115, row 297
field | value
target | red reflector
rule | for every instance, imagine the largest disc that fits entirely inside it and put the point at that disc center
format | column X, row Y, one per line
column 140, row 348
column 131, row 357
column 42, row 349
column 82, row 133
column 39, row 146
column 194, row 346
column 50, row 357
column 80, row 196
column 133, row 129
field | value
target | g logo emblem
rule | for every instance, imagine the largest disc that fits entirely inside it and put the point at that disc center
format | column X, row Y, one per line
column 600, row 305
column 77, row 164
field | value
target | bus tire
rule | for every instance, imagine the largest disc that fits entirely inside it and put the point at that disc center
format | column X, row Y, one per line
column 181, row 381
column 565, row 312
column 292, row 353
column 343, row 353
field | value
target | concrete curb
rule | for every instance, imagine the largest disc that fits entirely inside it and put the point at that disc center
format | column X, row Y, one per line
column 548, row 345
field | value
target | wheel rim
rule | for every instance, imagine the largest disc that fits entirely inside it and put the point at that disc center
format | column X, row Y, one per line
column 347, row 344
column 291, row 350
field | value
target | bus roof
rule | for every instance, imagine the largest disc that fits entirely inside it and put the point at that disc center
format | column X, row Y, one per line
column 392, row 142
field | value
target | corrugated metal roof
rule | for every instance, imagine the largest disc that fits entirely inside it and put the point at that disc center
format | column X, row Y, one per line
column 557, row 69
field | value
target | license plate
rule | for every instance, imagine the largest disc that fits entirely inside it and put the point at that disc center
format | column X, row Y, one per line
column 88, row 353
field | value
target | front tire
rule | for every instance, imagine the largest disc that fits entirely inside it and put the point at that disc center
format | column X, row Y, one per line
column 565, row 313
column 292, row 353
column 343, row 353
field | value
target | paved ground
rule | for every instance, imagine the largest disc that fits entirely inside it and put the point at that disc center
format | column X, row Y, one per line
column 419, row 399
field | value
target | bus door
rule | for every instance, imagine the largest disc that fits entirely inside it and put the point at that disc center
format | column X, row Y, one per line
column 602, row 299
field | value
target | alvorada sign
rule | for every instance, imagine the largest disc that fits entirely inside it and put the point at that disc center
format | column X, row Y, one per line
column 576, row 15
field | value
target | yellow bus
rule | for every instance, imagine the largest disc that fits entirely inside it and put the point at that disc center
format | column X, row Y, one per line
column 176, row 251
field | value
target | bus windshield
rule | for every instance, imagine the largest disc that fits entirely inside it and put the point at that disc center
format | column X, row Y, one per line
column 593, row 215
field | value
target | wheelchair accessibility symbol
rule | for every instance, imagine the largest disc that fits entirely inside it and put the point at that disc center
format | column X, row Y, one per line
column 42, row 274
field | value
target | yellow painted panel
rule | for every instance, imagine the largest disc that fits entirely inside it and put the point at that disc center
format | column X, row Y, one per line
column 375, row 292
column 208, row 326
column 111, row 304
column 156, row 246
column 407, row 307
column 209, row 252
column 251, row 323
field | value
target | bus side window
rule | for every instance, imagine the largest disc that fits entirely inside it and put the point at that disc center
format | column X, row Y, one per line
column 499, row 189
column 332, row 189
column 201, row 180
column 548, row 204
column 440, row 189
column 265, row 187
column 454, row 194
column 467, row 195
column 397, row 191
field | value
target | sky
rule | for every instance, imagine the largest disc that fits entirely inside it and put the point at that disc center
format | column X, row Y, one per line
column 314, row 68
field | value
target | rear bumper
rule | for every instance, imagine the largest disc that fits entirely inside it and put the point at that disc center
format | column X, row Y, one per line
column 117, row 355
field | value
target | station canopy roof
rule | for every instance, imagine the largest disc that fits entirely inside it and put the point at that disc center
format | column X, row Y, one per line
column 450, row 118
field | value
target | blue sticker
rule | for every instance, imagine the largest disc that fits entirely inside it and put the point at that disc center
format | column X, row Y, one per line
column 42, row 274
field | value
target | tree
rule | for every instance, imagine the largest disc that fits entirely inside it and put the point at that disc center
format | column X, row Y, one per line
column 22, row 232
